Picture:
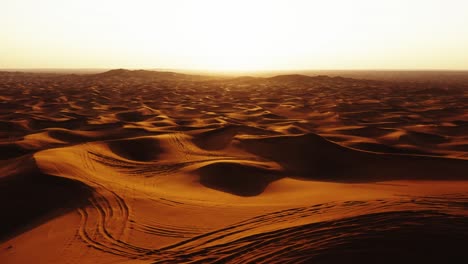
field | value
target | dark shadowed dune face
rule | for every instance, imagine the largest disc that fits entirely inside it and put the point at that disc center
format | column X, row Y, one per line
column 29, row 197
column 396, row 237
column 159, row 167
column 139, row 149
column 11, row 150
column 238, row 179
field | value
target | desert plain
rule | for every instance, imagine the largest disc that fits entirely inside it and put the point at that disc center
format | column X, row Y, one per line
column 159, row 167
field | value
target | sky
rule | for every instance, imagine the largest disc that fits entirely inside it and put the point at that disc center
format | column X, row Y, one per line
column 237, row 35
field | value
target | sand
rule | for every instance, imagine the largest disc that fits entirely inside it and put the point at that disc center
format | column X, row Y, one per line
column 160, row 167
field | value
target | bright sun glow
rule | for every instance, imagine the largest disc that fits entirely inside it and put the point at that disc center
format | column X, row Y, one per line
column 234, row 35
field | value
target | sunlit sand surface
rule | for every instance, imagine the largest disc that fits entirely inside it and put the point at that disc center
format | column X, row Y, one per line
column 153, row 167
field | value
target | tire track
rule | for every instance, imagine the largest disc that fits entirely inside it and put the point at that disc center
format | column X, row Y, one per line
column 274, row 237
column 151, row 169
column 105, row 221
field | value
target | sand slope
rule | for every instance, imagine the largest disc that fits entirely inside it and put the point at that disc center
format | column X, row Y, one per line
column 150, row 167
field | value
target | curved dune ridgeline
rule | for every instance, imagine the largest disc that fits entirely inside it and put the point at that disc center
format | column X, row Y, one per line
column 157, row 167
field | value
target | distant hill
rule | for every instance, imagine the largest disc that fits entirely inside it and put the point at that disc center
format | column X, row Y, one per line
column 433, row 77
column 300, row 78
column 123, row 73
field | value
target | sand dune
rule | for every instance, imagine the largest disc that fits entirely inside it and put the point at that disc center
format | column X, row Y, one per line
column 29, row 197
column 159, row 167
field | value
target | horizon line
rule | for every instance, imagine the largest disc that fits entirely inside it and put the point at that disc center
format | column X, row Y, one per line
column 238, row 71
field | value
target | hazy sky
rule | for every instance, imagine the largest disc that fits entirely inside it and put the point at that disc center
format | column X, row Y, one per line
column 234, row 35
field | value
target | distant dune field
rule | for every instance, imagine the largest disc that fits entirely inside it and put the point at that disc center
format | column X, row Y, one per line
column 161, row 167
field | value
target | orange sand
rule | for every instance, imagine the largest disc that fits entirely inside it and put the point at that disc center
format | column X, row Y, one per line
column 153, row 167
